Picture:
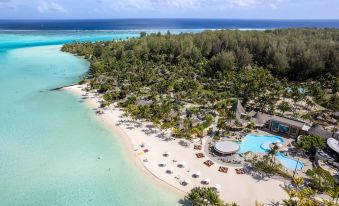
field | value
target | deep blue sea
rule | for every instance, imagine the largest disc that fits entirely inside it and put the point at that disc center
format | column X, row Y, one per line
column 147, row 24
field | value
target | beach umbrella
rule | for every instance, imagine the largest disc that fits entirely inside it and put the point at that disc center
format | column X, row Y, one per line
column 217, row 187
column 170, row 170
column 162, row 163
column 196, row 174
column 206, row 180
column 168, row 135
column 182, row 164
column 187, row 181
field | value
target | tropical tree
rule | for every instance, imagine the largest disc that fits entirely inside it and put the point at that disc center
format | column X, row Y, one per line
column 284, row 106
column 272, row 152
column 175, row 131
column 311, row 143
column 298, row 182
column 290, row 202
column 334, row 193
column 202, row 196
column 320, row 180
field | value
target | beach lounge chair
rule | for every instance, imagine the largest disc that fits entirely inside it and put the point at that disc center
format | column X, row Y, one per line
column 197, row 147
column 208, row 163
column 223, row 169
column 240, row 171
column 200, row 155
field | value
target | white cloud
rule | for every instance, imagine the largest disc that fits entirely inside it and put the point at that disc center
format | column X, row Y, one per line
column 50, row 6
column 243, row 3
column 155, row 4
column 191, row 4
column 176, row 3
column 246, row 3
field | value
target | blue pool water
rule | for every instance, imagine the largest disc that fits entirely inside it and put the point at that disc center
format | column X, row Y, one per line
column 253, row 143
column 260, row 144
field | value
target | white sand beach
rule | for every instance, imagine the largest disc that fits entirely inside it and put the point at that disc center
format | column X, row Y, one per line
column 242, row 189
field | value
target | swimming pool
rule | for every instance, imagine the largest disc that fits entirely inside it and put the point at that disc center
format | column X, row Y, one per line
column 260, row 144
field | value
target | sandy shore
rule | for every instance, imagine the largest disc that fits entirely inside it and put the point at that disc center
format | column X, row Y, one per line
column 242, row 189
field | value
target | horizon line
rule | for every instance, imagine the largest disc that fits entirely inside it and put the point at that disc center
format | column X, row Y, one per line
column 158, row 18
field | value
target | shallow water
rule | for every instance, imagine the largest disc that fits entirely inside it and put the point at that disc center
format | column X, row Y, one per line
column 50, row 142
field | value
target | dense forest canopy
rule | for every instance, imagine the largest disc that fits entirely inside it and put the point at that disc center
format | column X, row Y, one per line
column 297, row 54
column 213, row 67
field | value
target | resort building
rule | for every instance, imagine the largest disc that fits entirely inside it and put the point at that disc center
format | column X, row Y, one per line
column 273, row 123
column 329, row 155
column 290, row 127
column 238, row 109
column 278, row 124
column 224, row 148
column 320, row 131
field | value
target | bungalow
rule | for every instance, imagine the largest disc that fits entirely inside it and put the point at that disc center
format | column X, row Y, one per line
column 273, row 123
column 238, row 109
column 320, row 131
column 279, row 124
column 290, row 127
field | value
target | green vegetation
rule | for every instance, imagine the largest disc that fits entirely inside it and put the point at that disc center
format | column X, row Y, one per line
column 311, row 143
column 302, row 194
column 187, row 82
column 284, row 107
column 203, row 196
column 184, row 80
column 266, row 166
column 321, row 180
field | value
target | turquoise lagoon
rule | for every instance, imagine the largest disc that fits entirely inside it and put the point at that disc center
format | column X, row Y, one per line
column 50, row 141
column 260, row 144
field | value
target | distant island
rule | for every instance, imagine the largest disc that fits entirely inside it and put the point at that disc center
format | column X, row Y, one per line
column 219, row 86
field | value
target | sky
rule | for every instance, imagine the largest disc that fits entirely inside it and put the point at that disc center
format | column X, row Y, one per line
column 229, row 9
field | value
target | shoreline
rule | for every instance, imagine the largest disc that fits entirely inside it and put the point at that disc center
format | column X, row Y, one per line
column 93, row 103
column 241, row 189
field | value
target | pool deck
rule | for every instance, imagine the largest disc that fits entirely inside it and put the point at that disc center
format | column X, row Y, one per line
column 287, row 141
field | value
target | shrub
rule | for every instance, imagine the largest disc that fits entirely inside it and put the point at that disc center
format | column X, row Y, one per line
column 311, row 143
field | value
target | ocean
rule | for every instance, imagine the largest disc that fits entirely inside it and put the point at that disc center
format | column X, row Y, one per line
column 49, row 140
column 156, row 24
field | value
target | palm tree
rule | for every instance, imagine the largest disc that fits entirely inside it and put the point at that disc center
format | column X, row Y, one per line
column 202, row 196
column 334, row 193
column 175, row 131
column 257, row 203
column 298, row 181
column 272, row 152
column 290, row 202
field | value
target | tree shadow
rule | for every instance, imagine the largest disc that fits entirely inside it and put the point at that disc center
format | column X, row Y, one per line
column 259, row 177
column 184, row 201
column 273, row 203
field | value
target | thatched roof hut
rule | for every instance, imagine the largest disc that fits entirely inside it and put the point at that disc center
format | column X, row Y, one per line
column 238, row 109
column 259, row 118
column 320, row 131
